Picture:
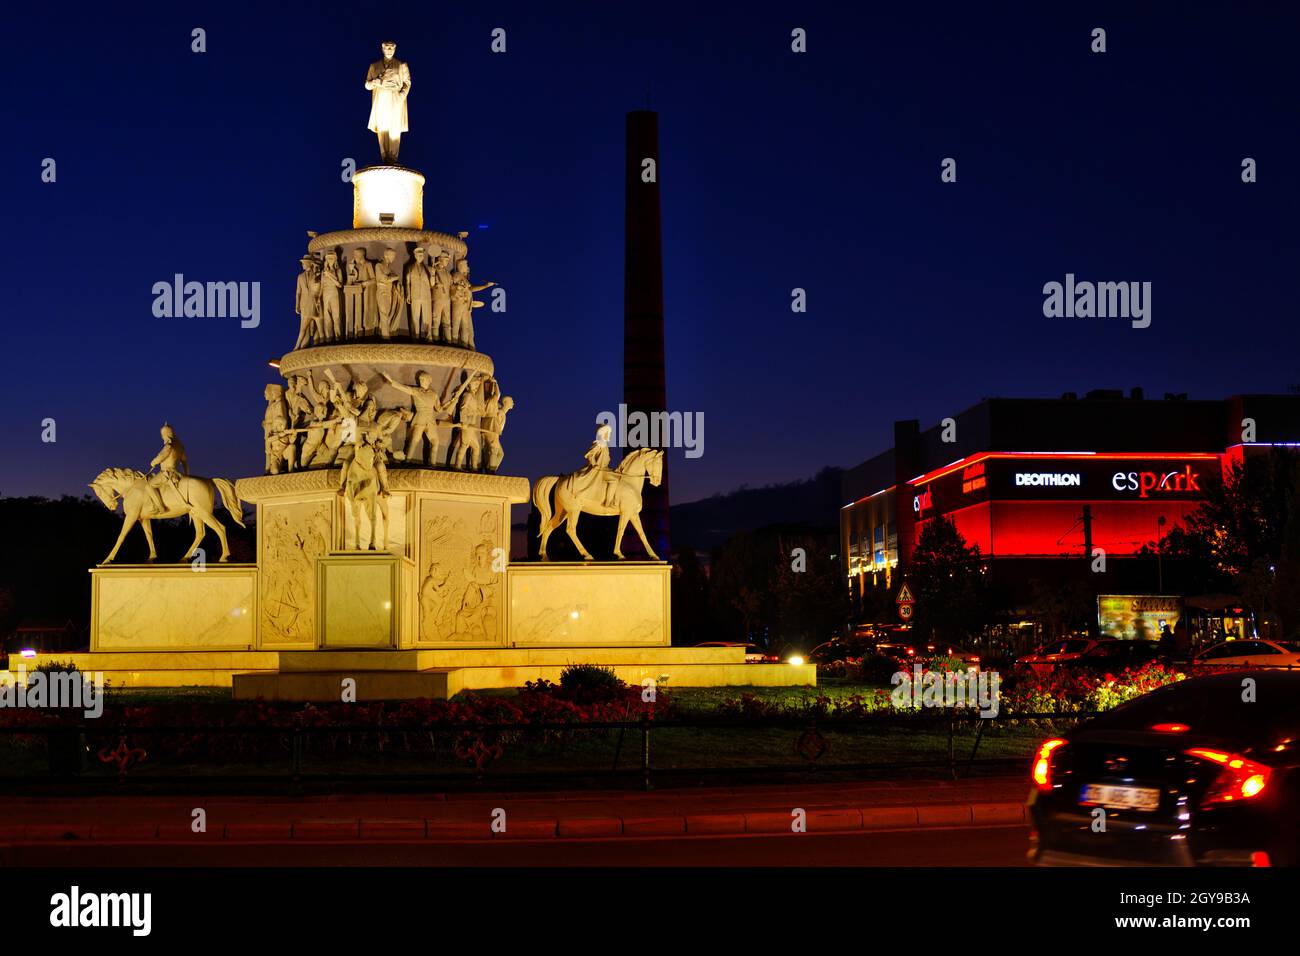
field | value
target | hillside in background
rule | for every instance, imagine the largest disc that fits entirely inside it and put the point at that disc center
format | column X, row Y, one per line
column 707, row 523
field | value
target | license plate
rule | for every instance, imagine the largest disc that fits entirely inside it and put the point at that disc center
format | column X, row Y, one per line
column 1126, row 798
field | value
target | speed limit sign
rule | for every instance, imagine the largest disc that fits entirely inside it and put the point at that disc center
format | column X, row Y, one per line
column 905, row 602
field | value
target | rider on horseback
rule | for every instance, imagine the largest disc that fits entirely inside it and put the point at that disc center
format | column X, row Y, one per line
column 598, row 464
column 171, row 463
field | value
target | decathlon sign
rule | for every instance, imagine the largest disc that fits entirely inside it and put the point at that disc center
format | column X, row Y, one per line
column 1050, row 479
column 1146, row 483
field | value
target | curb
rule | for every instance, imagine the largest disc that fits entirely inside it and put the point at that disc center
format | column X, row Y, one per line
column 823, row 820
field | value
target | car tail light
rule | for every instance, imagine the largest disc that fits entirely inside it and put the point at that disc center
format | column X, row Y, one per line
column 1239, row 778
column 1043, row 763
column 1170, row 728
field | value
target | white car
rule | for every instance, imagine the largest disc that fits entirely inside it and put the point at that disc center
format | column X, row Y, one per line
column 1252, row 653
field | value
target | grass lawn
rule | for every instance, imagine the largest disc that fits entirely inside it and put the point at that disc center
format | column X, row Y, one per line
column 700, row 700
column 137, row 696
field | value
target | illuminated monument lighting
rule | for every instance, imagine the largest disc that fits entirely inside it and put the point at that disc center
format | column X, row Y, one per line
column 382, row 516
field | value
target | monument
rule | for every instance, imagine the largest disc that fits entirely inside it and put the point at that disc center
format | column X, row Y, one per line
column 383, row 517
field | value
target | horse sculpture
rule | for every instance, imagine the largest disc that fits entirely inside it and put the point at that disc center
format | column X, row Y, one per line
column 190, row 495
column 632, row 471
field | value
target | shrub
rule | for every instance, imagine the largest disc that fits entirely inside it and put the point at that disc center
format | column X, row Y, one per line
column 944, row 663
column 877, row 669
column 590, row 683
column 55, row 667
column 50, row 671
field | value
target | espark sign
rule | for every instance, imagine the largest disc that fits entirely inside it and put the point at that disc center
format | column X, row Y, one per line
column 1146, row 482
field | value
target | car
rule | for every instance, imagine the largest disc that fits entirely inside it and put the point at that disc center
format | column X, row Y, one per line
column 1045, row 659
column 1193, row 773
column 905, row 652
column 839, row 650
column 1251, row 653
column 1114, row 655
column 753, row 653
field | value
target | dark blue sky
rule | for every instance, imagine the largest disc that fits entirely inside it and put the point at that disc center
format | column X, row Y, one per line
column 819, row 171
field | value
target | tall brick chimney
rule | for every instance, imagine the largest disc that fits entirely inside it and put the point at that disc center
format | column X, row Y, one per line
column 644, row 388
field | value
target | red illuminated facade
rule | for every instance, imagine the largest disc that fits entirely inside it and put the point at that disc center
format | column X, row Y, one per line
column 1038, row 484
column 1030, row 504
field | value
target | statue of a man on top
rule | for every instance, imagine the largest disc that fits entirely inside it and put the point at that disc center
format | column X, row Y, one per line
column 389, row 81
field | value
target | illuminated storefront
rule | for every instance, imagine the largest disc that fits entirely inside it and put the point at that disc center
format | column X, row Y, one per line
column 1038, row 484
column 1014, row 504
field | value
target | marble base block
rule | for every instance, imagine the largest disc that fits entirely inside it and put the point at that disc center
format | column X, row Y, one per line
column 364, row 600
column 173, row 607
column 587, row 604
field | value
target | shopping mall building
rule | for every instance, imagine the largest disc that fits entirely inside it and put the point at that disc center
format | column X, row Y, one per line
column 1038, row 484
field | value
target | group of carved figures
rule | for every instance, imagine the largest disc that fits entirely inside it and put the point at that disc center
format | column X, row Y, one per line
column 360, row 298
column 310, row 425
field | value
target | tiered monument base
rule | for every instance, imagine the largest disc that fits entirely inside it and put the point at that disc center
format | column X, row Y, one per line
column 436, row 674
column 438, row 611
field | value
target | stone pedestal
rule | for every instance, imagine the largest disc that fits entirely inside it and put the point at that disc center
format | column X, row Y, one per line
column 173, row 607
column 364, row 600
column 589, row 604
column 452, row 528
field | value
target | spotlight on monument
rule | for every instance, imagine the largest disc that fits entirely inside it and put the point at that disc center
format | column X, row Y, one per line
column 387, row 196
column 796, row 660
column 28, row 652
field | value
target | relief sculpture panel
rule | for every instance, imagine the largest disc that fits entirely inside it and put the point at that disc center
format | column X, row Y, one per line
column 461, row 573
column 294, row 535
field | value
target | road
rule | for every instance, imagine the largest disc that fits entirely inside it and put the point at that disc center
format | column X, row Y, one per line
column 964, row 846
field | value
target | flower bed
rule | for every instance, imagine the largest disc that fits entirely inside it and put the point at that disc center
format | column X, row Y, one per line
column 1067, row 690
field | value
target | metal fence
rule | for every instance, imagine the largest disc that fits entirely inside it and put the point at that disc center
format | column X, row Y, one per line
column 121, row 755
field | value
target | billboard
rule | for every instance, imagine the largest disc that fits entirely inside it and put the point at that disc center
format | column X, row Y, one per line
column 1137, row 617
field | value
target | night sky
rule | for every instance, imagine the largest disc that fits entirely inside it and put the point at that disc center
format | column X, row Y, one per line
column 779, row 170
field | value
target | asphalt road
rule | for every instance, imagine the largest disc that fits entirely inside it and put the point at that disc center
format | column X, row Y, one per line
column 962, row 846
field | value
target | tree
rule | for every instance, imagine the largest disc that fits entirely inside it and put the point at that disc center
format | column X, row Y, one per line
column 811, row 601
column 1061, row 608
column 947, row 579
column 740, row 594
column 1245, row 536
column 778, row 586
column 692, row 621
